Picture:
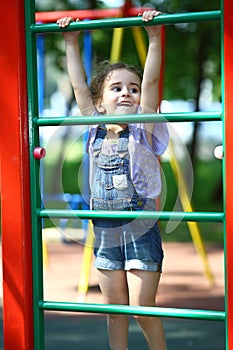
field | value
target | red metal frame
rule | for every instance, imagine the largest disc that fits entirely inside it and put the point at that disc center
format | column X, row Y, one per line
column 15, row 184
column 228, row 88
column 46, row 17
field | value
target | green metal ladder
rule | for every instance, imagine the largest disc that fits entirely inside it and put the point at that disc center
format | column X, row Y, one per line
column 35, row 122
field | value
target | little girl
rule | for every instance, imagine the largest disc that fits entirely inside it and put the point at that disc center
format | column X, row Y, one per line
column 124, row 175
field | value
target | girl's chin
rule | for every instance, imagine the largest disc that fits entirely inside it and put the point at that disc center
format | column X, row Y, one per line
column 125, row 110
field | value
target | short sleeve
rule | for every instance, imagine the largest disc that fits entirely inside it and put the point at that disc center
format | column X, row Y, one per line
column 160, row 138
column 91, row 137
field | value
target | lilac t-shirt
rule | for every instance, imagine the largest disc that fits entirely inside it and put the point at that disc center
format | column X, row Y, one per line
column 144, row 163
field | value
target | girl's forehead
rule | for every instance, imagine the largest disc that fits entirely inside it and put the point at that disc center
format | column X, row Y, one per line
column 122, row 75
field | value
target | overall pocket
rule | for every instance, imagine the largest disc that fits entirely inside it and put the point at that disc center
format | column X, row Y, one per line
column 107, row 172
column 120, row 182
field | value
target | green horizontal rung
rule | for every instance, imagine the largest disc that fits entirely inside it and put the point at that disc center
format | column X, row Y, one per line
column 134, row 310
column 136, row 118
column 147, row 215
column 130, row 22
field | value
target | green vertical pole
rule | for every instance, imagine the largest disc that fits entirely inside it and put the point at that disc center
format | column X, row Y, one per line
column 37, row 257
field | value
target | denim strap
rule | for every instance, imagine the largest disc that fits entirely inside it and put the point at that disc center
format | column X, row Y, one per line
column 99, row 139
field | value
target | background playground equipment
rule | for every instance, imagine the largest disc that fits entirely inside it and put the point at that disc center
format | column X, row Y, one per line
column 20, row 302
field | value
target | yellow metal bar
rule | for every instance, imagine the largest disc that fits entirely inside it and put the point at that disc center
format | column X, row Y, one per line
column 140, row 44
column 116, row 45
column 86, row 264
column 117, row 41
column 187, row 206
column 45, row 253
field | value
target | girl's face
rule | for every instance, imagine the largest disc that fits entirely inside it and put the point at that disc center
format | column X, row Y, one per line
column 121, row 93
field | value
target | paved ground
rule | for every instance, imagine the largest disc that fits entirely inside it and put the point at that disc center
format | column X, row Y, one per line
column 183, row 284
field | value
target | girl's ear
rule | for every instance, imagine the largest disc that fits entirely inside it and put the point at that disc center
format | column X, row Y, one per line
column 100, row 108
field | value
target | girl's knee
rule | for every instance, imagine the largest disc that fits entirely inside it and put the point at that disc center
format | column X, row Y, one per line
column 116, row 318
column 146, row 322
column 143, row 321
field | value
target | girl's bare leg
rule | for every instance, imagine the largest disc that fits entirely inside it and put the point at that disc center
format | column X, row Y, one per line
column 113, row 285
column 142, row 291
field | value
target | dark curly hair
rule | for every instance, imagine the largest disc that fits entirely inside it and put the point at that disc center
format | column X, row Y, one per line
column 100, row 74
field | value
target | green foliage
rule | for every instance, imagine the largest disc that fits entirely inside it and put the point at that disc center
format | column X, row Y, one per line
column 192, row 51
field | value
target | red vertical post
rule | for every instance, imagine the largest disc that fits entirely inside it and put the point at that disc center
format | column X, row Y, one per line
column 15, row 181
column 228, row 87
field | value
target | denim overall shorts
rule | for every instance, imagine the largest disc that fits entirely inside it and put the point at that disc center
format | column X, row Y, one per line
column 121, row 244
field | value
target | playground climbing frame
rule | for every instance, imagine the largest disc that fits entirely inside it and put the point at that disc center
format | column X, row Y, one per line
column 23, row 306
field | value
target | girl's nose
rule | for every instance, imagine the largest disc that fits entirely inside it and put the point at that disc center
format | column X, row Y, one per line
column 125, row 91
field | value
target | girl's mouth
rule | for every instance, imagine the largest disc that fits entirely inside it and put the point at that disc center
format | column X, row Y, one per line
column 125, row 104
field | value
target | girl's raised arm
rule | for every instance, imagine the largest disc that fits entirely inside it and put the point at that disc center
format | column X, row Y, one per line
column 150, row 82
column 75, row 68
column 151, row 74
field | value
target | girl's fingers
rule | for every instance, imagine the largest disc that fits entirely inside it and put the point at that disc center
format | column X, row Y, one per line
column 149, row 15
column 64, row 21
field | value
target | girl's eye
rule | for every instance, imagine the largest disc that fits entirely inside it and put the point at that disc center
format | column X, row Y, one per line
column 116, row 89
column 133, row 90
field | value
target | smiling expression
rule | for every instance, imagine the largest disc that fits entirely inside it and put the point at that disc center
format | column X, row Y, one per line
column 121, row 93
